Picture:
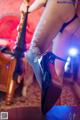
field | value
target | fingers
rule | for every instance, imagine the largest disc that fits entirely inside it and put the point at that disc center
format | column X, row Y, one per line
column 23, row 11
column 23, row 7
column 19, row 78
column 35, row 5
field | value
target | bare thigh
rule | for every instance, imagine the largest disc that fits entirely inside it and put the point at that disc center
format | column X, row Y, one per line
column 49, row 25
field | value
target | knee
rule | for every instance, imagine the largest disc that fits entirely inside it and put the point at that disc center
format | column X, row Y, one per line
column 32, row 55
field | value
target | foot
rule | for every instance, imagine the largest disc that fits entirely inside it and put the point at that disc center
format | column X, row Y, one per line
column 24, row 91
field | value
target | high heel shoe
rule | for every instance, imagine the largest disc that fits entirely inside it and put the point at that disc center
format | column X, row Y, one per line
column 51, row 91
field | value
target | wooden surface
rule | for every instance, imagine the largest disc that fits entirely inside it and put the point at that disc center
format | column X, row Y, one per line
column 7, row 66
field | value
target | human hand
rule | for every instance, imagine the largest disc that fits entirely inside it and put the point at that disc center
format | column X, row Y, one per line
column 23, row 11
column 24, row 5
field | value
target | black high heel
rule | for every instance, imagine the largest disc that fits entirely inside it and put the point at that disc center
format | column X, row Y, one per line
column 50, row 91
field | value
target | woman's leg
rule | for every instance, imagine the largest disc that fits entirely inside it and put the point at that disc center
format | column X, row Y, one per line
column 49, row 25
column 32, row 57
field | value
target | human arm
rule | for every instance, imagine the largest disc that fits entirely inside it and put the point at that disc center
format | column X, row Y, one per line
column 34, row 6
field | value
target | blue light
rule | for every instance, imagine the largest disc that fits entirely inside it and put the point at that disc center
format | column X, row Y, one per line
column 58, row 113
column 73, row 52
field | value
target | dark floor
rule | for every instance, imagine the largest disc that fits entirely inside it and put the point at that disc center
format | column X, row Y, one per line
column 64, row 113
column 30, row 109
column 34, row 113
column 28, row 113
